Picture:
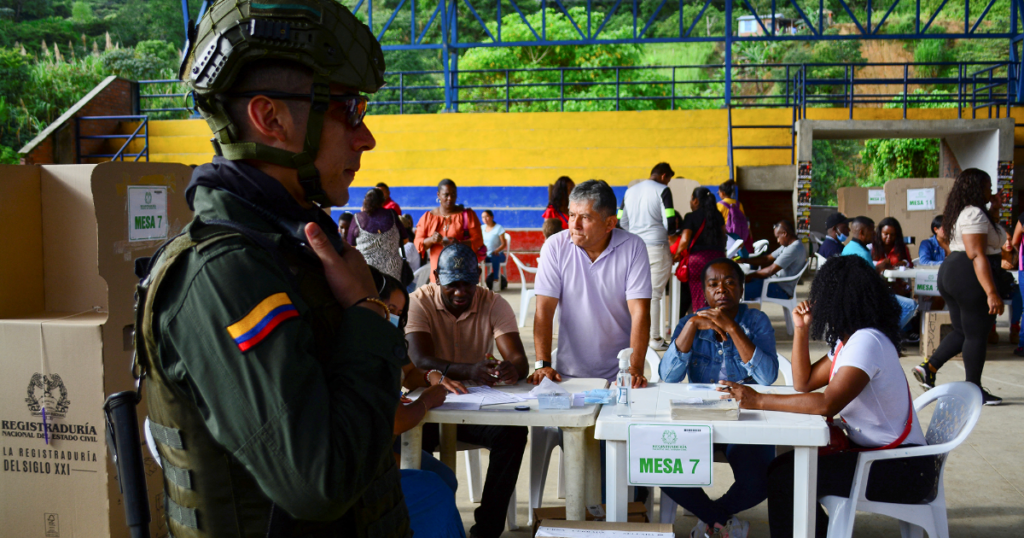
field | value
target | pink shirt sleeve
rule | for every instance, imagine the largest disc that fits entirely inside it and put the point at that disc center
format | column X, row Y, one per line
column 638, row 275
column 503, row 318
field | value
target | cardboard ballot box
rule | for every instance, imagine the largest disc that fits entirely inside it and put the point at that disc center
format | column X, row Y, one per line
column 936, row 326
column 636, row 512
column 69, row 235
column 601, row 529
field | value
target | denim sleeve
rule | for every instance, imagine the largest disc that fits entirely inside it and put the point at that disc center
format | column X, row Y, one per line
column 764, row 365
column 928, row 254
column 675, row 363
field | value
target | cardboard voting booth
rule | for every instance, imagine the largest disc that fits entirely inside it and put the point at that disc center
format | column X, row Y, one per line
column 69, row 235
column 915, row 202
column 862, row 201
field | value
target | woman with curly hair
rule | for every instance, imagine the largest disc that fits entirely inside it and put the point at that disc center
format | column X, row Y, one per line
column 852, row 309
column 703, row 236
column 558, row 200
column 971, row 280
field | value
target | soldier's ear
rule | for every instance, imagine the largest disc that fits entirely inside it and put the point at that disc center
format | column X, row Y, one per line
column 271, row 121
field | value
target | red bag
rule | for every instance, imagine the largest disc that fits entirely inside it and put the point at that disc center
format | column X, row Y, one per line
column 682, row 271
column 481, row 252
column 837, row 439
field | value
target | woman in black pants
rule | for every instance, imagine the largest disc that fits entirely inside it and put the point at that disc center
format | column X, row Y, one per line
column 970, row 280
column 852, row 309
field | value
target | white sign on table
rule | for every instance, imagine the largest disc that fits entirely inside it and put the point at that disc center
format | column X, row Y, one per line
column 147, row 212
column 927, row 282
column 669, row 455
column 876, row 196
column 921, row 199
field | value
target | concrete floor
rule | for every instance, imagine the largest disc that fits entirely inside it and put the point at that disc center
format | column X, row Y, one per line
column 984, row 481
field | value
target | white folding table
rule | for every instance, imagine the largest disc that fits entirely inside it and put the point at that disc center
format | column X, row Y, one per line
column 805, row 433
column 582, row 470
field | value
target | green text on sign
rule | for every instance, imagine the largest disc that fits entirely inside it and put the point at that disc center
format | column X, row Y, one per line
column 669, row 455
column 666, row 465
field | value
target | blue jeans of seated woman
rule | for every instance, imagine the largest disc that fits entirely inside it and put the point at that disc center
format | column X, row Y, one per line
column 750, row 471
column 495, row 260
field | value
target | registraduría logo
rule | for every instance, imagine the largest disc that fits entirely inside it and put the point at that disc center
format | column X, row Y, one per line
column 47, row 392
column 668, row 437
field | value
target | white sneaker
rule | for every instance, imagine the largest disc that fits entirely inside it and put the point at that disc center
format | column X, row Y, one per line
column 700, row 530
column 658, row 344
column 734, row 528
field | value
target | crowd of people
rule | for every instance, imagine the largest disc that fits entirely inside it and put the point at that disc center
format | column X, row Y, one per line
column 277, row 345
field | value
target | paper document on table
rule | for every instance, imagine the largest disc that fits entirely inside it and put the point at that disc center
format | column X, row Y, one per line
column 492, row 396
column 461, row 402
column 548, row 532
column 546, row 386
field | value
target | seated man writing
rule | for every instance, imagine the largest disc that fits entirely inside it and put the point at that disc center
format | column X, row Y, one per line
column 726, row 341
column 452, row 329
column 787, row 260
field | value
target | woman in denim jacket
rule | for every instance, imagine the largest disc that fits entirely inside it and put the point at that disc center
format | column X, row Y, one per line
column 726, row 341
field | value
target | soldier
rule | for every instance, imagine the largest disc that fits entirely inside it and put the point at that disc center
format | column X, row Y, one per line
column 273, row 371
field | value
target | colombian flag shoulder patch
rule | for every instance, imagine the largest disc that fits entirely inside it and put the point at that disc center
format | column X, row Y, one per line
column 262, row 320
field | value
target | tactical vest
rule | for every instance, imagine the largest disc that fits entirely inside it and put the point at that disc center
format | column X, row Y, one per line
column 207, row 492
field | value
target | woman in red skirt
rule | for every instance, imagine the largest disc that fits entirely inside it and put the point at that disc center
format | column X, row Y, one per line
column 704, row 237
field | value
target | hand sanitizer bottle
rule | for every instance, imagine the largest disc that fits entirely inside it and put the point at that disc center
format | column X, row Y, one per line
column 624, row 382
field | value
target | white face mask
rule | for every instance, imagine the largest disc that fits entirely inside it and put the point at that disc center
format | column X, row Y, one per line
column 394, row 319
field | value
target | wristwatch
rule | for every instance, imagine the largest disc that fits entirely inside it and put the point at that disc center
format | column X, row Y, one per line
column 541, row 364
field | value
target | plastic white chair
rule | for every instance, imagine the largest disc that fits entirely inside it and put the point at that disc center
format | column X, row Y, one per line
column 821, row 261
column 957, row 408
column 787, row 304
column 734, row 249
column 527, row 293
column 760, row 247
column 421, row 276
column 786, row 369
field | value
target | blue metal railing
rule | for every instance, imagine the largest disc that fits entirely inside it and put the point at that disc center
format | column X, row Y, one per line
column 140, row 132
column 975, row 86
column 182, row 97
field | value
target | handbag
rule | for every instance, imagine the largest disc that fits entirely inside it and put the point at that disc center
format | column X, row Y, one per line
column 481, row 252
column 682, row 271
column 839, row 442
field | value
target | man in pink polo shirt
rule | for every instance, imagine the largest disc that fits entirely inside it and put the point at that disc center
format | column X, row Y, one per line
column 601, row 278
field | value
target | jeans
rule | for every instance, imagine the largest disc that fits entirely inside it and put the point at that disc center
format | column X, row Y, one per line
column 908, row 307
column 495, row 260
column 661, row 266
column 506, row 444
column 752, row 290
column 749, row 467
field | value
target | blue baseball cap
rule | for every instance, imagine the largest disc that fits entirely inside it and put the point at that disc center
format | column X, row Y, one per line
column 457, row 263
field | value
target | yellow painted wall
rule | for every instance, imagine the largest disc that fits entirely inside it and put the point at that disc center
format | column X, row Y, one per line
column 533, row 149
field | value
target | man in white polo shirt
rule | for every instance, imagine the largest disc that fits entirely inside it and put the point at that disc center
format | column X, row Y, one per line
column 647, row 211
column 601, row 278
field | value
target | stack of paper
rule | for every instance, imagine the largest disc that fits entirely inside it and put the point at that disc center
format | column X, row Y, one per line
column 492, row 396
column 704, row 409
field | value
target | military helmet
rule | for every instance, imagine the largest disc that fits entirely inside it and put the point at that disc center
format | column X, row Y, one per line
column 322, row 35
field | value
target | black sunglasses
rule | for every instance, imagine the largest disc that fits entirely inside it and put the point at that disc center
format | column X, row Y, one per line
column 353, row 104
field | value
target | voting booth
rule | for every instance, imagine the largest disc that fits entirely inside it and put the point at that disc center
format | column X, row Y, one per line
column 69, row 235
column 915, row 202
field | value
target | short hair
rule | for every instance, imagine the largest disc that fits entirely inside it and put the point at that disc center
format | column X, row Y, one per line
column 551, row 227
column 345, row 217
column 445, row 183
column 597, row 191
column 662, row 169
column 728, row 189
column 383, row 185
column 787, row 226
column 406, row 220
column 279, row 75
column 735, row 267
column 862, row 221
column 936, row 223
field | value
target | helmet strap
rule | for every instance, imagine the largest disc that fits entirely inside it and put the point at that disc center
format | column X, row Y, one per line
column 225, row 134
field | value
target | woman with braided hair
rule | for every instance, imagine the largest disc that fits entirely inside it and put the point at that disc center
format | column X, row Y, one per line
column 852, row 309
column 703, row 236
column 971, row 280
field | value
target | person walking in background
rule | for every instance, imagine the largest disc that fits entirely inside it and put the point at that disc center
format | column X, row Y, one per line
column 388, row 202
column 648, row 212
column 836, row 233
column 494, row 240
column 969, row 280
column 376, row 233
column 787, row 260
column 446, row 224
column 702, row 239
column 736, row 222
column 931, row 252
column 558, row 200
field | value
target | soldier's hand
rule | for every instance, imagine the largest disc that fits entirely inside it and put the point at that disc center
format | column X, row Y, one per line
column 347, row 272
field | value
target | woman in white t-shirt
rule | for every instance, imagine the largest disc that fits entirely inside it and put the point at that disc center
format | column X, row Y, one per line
column 494, row 240
column 852, row 309
column 971, row 280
